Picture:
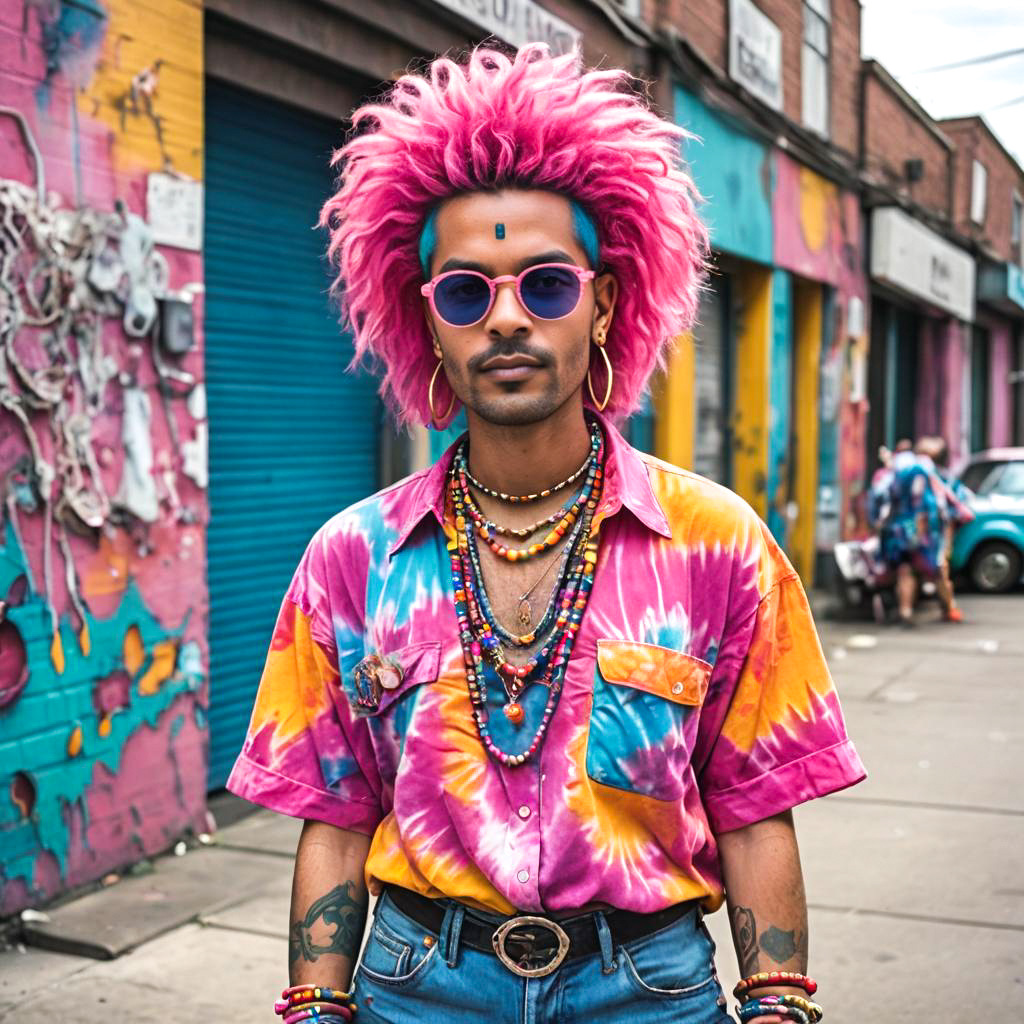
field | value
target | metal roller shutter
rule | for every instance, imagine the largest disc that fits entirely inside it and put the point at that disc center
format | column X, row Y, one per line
column 711, row 340
column 293, row 437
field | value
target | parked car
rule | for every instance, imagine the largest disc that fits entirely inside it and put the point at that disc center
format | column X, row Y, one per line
column 990, row 550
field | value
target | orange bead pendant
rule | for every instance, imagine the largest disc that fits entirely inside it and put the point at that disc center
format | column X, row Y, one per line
column 514, row 713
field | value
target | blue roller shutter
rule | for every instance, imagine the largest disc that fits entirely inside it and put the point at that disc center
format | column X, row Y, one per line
column 293, row 437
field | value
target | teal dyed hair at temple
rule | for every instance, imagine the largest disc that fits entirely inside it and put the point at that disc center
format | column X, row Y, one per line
column 582, row 224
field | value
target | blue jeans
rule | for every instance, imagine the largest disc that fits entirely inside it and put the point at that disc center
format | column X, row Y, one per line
column 407, row 974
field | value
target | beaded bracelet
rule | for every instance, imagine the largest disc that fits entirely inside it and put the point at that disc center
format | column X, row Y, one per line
column 309, row 993
column 314, row 1017
column 315, row 1011
column 770, row 1007
column 767, row 979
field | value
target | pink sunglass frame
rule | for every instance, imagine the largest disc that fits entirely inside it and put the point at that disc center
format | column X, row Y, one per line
column 583, row 276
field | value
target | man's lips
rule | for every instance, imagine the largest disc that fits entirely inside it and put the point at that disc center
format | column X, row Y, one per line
column 513, row 362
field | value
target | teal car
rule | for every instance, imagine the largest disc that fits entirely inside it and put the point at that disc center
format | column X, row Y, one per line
column 990, row 550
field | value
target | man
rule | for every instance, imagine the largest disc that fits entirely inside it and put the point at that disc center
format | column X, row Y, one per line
column 551, row 699
column 956, row 511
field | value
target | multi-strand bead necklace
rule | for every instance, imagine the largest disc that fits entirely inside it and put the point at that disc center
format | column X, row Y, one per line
column 479, row 631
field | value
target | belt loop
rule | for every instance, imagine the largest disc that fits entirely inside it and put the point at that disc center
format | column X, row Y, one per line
column 604, row 938
column 455, row 934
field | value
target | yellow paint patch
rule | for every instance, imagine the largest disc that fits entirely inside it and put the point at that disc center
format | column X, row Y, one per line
column 105, row 726
column 75, row 741
column 148, row 86
column 133, row 652
column 675, row 412
column 161, row 668
column 57, row 653
column 818, row 200
column 84, row 639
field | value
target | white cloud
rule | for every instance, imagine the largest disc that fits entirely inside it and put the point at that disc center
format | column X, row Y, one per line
column 907, row 36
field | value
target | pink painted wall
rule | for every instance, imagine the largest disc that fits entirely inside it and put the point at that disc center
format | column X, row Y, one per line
column 818, row 235
column 1000, row 409
column 102, row 725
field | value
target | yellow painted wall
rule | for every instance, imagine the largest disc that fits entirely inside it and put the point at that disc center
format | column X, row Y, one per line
column 674, row 406
column 753, row 311
column 808, row 301
column 154, row 47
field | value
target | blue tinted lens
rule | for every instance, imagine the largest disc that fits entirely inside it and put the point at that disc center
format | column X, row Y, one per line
column 462, row 299
column 550, row 292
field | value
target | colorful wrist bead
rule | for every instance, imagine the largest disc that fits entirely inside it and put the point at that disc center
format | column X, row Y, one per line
column 310, row 993
column 317, row 1009
column 769, row 979
column 771, row 1006
column 314, row 1017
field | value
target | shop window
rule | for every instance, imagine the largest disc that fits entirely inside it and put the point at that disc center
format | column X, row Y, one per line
column 979, row 189
column 815, row 64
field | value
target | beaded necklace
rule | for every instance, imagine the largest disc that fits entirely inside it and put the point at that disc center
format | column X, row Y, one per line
column 481, row 646
column 513, row 499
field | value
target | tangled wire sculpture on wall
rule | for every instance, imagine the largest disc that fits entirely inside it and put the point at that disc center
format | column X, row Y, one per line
column 64, row 274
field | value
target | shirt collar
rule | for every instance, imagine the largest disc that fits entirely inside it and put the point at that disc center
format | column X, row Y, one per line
column 627, row 483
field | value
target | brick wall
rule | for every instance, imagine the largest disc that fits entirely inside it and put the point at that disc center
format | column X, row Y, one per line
column 973, row 141
column 896, row 131
column 706, row 26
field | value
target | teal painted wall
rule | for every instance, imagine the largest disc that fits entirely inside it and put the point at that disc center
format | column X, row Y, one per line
column 736, row 175
column 780, row 387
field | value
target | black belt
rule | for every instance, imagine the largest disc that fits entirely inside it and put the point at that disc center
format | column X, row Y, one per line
column 524, row 941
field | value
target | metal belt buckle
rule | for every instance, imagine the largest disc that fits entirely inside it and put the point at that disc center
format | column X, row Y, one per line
column 502, row 933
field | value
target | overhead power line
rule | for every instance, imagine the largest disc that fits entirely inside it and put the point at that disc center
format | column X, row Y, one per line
column 970, row 62
column 1006, row 103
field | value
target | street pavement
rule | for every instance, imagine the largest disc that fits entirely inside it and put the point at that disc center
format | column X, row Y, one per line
column 914, row 878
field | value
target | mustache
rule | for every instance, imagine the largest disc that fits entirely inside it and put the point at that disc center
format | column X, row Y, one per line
column 509, row 348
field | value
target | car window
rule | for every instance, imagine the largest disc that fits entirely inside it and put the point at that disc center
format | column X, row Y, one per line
column 1011, row 481
column 979, row 476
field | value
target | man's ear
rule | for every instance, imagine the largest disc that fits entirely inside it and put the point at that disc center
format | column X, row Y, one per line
column 606, row 292
column 428, row 315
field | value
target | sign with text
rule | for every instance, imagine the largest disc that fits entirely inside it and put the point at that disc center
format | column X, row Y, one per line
column 917, row 261
column 174, row 209
column 517, row 22
column 755, row 52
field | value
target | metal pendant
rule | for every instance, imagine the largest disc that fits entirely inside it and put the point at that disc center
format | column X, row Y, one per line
column 525, row 614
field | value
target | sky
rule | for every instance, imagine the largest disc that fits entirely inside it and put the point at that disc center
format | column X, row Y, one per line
column 909, row 36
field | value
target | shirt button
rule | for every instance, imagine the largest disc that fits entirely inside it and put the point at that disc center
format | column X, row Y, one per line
column 523, row 876
column 524, row 812
column 677, row 687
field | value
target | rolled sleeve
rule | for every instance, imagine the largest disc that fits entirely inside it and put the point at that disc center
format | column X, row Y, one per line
column 781, row 739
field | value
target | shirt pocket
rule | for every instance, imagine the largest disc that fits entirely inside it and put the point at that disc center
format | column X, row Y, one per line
column 644, row 699
column 384, row 689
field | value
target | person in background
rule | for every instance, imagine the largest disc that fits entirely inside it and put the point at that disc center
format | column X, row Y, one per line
column 956, row 512
column 907, row 508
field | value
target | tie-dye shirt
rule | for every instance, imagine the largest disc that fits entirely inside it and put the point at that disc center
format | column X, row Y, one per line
column 696, row 701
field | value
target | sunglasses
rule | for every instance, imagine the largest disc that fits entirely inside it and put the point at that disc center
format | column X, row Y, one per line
column 548, row 291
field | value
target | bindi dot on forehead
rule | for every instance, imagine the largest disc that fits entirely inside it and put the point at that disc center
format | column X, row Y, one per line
column 499, row 231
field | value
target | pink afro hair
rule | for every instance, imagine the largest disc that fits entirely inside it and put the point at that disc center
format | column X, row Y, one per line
column 532, row 121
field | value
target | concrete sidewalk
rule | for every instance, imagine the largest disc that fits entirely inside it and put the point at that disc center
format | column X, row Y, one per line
column 913, row 877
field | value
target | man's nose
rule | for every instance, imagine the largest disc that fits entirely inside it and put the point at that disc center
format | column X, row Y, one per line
column 507, row 314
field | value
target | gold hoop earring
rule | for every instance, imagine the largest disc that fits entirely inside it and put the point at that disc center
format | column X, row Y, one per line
column 599, row 341
column 430, row 399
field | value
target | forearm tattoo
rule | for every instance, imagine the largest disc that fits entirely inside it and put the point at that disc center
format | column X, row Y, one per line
column 333, row 924
column 778, row 945
column 744, row 932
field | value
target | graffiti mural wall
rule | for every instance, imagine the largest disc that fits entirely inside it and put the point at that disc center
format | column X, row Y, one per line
column 102, row 439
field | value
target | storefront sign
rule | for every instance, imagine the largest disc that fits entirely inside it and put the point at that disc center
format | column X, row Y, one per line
column 755, row 52
column 517, row 22
column 914, row 259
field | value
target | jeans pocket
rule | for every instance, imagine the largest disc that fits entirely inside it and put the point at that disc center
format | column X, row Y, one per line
column 676, row 962
column 395, row 953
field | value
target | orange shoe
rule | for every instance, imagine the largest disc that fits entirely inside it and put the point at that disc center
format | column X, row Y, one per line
column 954, row 615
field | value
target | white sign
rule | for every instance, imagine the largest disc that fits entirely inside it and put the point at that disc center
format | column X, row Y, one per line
column 174, row 209
column 518, row 22
column 755, row 52
column 914, row 259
